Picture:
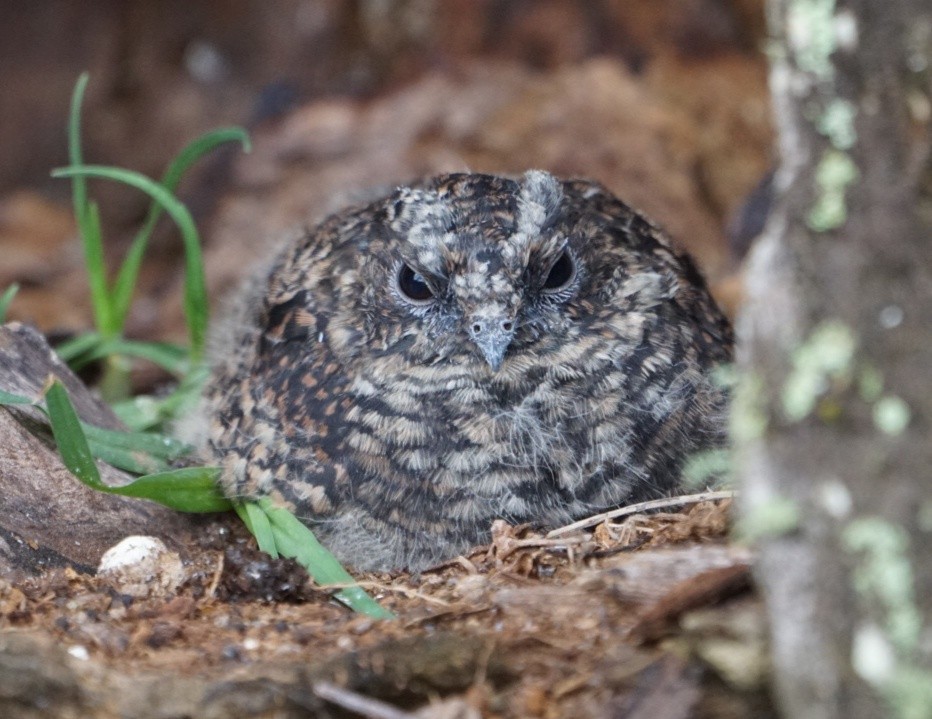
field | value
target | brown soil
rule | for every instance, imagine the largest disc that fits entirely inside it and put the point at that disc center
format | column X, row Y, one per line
column 622, row 621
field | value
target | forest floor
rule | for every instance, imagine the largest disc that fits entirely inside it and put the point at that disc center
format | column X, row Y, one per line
column 651, row 616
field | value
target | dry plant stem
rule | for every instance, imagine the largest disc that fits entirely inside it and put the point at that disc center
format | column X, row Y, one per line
column 404, row 591
column 115, row 384
column 357, row 703
column 218, row 574
column 465, row 564
column 641, row 507
column 516, row 544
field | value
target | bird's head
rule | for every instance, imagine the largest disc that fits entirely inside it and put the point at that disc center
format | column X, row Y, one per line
column 481, row 264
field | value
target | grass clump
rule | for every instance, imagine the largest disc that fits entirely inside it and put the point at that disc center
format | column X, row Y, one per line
column 155, row 457
column 111, row 299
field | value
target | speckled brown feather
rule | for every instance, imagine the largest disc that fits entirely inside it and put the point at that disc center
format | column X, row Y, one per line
column 383, row 423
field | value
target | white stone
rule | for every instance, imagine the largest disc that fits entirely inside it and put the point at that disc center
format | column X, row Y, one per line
column 142, row 567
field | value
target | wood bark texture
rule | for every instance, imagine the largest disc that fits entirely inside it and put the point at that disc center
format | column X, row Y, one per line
column 47, row 517
column 840, row 302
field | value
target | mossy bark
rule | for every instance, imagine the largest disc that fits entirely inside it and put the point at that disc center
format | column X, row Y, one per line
column 834, row 409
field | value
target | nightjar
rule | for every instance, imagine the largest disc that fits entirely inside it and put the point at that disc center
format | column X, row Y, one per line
column 468, row 348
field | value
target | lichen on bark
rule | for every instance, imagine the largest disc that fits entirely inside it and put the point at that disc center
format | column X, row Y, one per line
column 834, row 340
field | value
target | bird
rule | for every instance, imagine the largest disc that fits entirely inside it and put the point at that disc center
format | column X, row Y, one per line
column 469, row 347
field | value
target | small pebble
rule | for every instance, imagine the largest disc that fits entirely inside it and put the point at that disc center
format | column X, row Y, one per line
column 142, row 567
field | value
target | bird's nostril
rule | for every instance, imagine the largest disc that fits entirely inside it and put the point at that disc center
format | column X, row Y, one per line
column 507, row 325
column 476, row 328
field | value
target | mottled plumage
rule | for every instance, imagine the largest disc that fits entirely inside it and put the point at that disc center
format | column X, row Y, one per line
column 469, row 348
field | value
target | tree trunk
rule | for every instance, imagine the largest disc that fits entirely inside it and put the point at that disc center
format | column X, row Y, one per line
column 832, row 412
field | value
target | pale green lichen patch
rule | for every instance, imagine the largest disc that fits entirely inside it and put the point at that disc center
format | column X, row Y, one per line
column 837, row 123
column 725, row 376
column 885, row 575
column 810, row 33
column 891, row 415
column 771, row 518
column 835, row 171
column 824, row 367
column 910, row 692
column 885, row 654
column 709, row 468
column 814, row 32
column 825, row 357
column 748, row 420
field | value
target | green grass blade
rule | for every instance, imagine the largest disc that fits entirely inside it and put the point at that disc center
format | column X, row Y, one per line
column 125, row 283
column 72, row 350
column 146, row 412
column 144, row 449
column 294, row 539
column 87, row 216
column 128, row 460
column 169, row 356
column 126, row 277
column 157, row 445
column 141, row 413
column 246, row 518
column 5, row 299
column 189, row 489
column 9, row 398
column 172, row 357
column 199, row 147
column 195, row 289
column 136, row 452
column 84, row 349
column 95, row 264
column 258, row 524
column 115, row 382
column 72, row 444
column 79, row 184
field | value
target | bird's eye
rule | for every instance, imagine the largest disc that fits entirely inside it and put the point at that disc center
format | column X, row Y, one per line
column 413, row 286
column 561, row 274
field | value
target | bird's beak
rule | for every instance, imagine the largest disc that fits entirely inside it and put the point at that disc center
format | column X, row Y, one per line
column 492, row 335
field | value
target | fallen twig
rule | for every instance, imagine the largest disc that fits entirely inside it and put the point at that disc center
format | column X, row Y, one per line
column 641, row 507
column 358, row 703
